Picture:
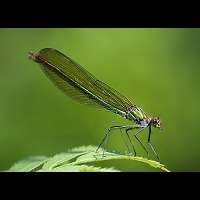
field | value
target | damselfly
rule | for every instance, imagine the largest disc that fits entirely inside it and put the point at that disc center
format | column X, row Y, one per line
column 83, row 87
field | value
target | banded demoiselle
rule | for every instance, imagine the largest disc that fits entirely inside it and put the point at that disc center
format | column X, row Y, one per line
column 82, row 86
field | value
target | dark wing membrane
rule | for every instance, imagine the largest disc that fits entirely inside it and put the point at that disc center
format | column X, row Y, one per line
column 117, row 98
column 78, row 83
column 69, row 87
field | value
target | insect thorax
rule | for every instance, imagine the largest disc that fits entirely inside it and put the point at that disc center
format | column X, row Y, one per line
column 136, row 114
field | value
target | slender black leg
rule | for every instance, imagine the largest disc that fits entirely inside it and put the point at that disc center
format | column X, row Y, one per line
column 130, row 140
column 140, row 141
column 105, row 139
column 125, row 142
column 106, row 142
column 135, row 135
column 152, row 147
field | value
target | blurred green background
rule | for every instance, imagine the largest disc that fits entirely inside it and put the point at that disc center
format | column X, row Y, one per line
column 157, row 69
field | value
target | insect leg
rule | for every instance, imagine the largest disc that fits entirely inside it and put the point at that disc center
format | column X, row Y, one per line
column 105, row 139
column 125, row 142
column 128, row 129
column 136, row 136
column 152, row 147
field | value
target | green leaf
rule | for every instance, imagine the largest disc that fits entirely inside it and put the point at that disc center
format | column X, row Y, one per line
column 91, row 156
column 78, row 159
column 79, row 168
column 60, row 159
column 29, row 164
